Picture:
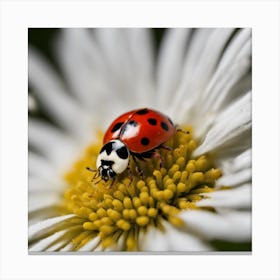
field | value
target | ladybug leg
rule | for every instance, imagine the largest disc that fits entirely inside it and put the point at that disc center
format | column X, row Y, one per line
column 168, row 148
column 94, row 171
column 112, row 183
column 130, row 175
column 138, row 169
column 158, row 156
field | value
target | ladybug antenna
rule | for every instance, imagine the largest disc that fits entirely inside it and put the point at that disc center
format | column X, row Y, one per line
column 96, row 171
column 100, row 179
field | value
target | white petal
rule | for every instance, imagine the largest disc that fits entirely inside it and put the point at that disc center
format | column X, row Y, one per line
column 228, row 73
column 184, row 92
column 56, row 246
column 200, row 76
column 170, row 64
column 197, row 44
column 39, row 165
column 45, row 181
column 244, row 160
column 44, row 243
column 182, row 241
column 52, row 144
column 231, row 226
column 240, row 198
column 231, row 52
column 40, row 200
column 234, row 63
column 229, row 125
column 235, row 179
column 86, row 72
column 155, row 241
column 43, row 225
column 209, row 58
column 142, row 64
column 82, row 63
column 41, row 184
column 114, row 44
column 99, row 248
column 236, row 162
column 32, row 104
column 68, row 248
column 91, row 245
column 58, row 104
column 172, row 240
column 42, row 176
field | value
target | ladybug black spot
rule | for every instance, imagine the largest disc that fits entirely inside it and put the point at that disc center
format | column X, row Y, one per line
column 152, row 121
column 145, row 141
column 142, row 112
column 122, row 153
column 108, row 148
column 164, row 126
column 117, row 126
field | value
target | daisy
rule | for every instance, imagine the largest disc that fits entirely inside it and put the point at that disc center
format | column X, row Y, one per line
column 200, row 200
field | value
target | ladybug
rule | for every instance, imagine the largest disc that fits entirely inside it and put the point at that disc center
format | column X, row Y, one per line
column 137, row 133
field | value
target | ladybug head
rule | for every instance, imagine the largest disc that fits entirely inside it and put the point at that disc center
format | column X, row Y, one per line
column 112, row 160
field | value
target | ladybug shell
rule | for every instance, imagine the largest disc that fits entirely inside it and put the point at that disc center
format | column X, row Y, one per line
column 141, row 130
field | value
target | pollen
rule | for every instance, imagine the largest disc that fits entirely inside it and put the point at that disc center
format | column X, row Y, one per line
column 119, row 212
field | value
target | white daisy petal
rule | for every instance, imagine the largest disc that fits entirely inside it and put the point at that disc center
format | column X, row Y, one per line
column 230, row 79
column 172, row 240
column 242, row 37
column 114, row 45
column 32, row 104
column 236, row 178
column 170, row 64
column 52, row 143
column 230, row 226
column 76, row 46
column 182, row 241
column 68, row 248
column 44, row 184
column 155, row 241
column 91, row 245
column 46, row 242
column 218, row 90
column 142, row 64
column 43, row 225
column 197, row 44
column 238, row 115
column 57, row 245
column 244, row 160
column 41, row 168
column 238, row 198
column 53, row 97
column 206, row 66
column 39, row 200
column 234, row 163
column 88, row 80
column 210, row 57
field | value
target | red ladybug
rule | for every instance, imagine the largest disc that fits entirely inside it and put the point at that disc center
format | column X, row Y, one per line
column 137, row 133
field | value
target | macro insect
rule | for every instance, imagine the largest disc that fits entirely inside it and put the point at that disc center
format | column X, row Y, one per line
column 137, row 133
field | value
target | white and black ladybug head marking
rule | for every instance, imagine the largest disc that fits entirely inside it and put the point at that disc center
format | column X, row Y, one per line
column 112, row 160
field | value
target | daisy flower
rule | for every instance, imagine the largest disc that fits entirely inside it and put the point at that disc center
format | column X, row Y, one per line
column 200, row 199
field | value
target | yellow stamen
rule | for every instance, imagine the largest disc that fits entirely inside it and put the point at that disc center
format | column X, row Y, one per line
column 129, row 207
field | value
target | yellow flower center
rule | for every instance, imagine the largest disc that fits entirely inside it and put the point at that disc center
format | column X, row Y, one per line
column 129, row 207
